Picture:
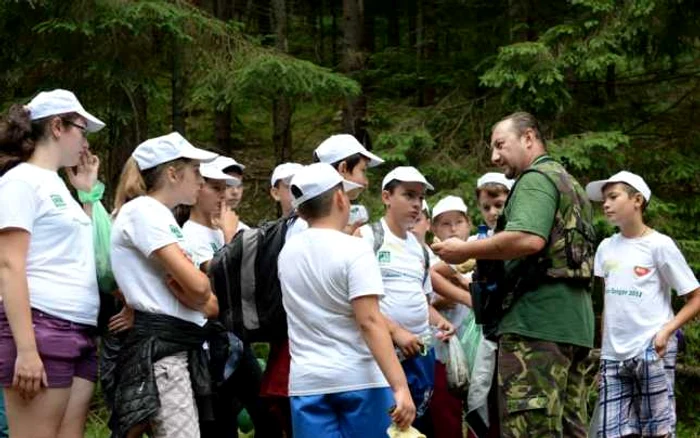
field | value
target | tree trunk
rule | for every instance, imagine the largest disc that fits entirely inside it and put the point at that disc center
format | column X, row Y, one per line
column 281, row 108
column 334, row 33
column 223, row 10
column 354, row 61
column 425, row 49
column 394, row 35
column 368, row 13
column 178, row 87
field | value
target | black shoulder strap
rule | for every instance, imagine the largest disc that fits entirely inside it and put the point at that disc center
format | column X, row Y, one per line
column 426, row 263
column 378, row 232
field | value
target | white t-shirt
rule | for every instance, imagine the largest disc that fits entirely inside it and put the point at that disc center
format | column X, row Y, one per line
column 297, row 227
column 142, row 226
column 321, row 271
column 202, row 241
column 402, row 263
column 242, row 226
column 639, row 275
column 60, row 265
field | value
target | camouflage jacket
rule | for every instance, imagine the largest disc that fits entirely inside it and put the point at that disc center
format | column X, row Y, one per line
column 570, row 249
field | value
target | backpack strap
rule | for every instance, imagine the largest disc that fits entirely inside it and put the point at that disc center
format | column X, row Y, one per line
column 378, row 232
column 426, row 263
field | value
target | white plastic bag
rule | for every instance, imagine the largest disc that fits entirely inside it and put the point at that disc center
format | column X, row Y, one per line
column 457, row 368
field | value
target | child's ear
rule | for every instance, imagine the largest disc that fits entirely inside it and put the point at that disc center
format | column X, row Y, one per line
column 343, row 167
column 275, row 194
column 385, row 197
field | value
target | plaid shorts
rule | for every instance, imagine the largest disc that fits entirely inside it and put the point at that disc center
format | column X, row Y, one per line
column 636, row 395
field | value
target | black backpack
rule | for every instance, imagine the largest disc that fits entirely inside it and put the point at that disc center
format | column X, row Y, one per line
column 243, row 276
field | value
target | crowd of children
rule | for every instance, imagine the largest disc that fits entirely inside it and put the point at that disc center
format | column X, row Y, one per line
column 367, row 303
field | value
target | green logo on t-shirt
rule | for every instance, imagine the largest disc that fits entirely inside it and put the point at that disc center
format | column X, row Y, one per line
column 176, row 231
column 384, row 256
column 213, row 246
column 58, row 201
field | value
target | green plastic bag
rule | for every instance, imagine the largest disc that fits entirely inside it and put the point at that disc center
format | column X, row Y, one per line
column 101, row 236
column 470, row 338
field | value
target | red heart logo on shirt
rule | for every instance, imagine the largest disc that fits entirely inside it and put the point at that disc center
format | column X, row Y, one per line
column 641, row 271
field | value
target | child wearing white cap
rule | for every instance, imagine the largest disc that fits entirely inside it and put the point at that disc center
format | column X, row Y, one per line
column 349, row 157
column 404, row 266
column 171, row 297
column 450, row 219
column 343, row 369
column 48, row 283
column 492, row 190
column 639, row 267
column 234, row 192
column 279, row 186
column 210, row 224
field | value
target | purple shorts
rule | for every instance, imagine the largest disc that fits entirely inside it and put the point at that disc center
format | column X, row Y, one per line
column 67, row 350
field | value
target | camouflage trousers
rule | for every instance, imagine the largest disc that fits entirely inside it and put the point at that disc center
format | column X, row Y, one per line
column 542, row 388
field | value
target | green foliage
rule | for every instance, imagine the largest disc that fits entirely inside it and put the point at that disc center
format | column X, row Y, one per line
column 583, row 152
column 270, row 76
column 530, row 77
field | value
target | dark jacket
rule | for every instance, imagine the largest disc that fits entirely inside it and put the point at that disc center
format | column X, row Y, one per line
column 127, row 377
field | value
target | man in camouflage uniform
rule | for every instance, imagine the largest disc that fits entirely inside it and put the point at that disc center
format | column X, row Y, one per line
column 546, row 329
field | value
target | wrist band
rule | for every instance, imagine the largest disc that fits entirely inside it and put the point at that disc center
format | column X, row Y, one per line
column 94, row 195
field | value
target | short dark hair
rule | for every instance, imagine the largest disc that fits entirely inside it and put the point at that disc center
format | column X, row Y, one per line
column 631, row 191
column 522, row 121
column 234, row 168
column 317, row 207
column 492, row 189
column 351, row 161
column 392, row 185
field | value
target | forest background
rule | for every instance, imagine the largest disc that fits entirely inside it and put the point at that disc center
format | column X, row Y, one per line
column 615, row 84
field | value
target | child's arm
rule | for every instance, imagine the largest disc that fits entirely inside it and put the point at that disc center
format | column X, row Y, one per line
column 408, row 343
column 689, row 311
column 446, row 288
column 375, row 331
column 439, row 321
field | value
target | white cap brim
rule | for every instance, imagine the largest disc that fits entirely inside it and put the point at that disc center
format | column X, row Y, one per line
column 374, row 160
column 93, row 123
column 194, row 153
column 214, row 173
column 594, row 189
column 348, row 186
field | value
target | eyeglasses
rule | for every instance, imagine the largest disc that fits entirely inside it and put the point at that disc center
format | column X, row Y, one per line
column 83, row 129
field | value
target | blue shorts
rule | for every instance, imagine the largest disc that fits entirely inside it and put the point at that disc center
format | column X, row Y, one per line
column 363, row 413
column 420, row 373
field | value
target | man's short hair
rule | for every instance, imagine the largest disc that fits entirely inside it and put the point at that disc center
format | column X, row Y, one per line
column 317, row 207
column 522, row 121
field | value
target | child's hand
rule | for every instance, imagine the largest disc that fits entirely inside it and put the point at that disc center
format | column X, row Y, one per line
column 661, row 342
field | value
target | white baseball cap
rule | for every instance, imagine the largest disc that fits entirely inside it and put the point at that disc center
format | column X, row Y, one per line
column 315, row 179
column 406, row 174
column 494, row 178
column 159, row 150
column 230, row 162
column 338, row 147
column 215, row 170
column 594, row 190
column 285, row 172
column 53, row 103
column 449, row 203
